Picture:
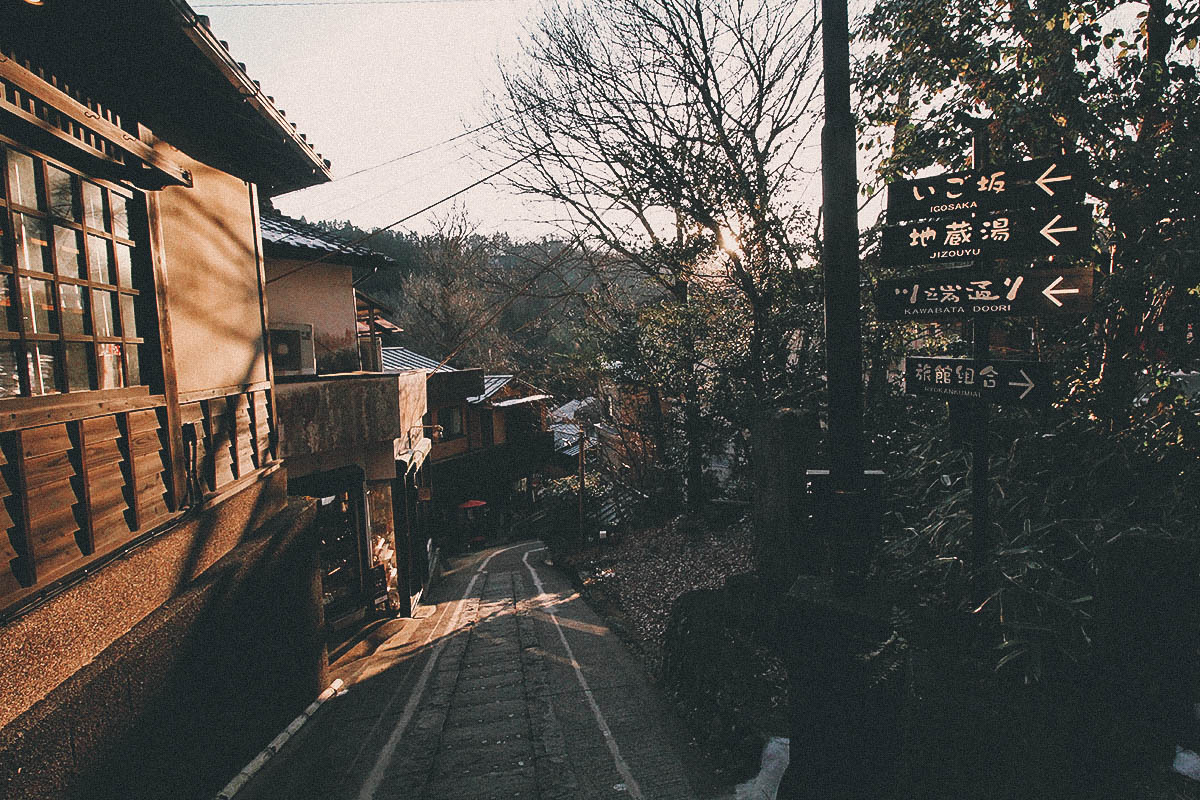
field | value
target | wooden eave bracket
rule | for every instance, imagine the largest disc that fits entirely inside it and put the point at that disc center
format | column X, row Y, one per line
column 166, row 172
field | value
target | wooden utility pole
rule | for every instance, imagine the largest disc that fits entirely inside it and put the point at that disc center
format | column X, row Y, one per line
column 582, row 446
column 843, row 330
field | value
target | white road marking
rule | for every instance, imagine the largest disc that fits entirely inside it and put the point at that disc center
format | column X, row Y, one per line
column 618, row 761
column 371, row 784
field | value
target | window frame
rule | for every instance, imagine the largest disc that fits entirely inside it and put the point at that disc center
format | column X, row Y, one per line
column 103, row 274
column 457, row 412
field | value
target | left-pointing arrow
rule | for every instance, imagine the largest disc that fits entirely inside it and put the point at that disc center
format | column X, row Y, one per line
column 1044, row 179
column 1028, row 384
column 1050, row 291
column 1049, row 230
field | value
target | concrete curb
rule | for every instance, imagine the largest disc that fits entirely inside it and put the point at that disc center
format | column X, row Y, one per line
column 277, row 744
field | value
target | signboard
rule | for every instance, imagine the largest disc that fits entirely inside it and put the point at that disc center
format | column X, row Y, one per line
column 1021, row 184
column 994, row 380
column 951, row 293
column 986, row 236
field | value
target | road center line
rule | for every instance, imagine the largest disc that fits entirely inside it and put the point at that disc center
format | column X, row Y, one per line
column 618, row 761
column 371, row 784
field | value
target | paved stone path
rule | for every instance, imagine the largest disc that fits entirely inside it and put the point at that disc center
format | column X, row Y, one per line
column 511, row 687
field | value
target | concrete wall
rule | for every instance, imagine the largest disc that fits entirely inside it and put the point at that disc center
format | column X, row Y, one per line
column 213, row 289
column 327, row 415
column 182, row 700
column 321, row 295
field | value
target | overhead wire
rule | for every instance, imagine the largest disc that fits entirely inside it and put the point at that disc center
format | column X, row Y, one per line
column 406, row 218
column 278, row 3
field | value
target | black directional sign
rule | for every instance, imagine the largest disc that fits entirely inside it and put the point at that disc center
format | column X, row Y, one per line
column 1017, row 185
column 995, row 380
column 950, row 293
column 982, row 237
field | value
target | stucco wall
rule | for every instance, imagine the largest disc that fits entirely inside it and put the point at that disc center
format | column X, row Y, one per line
column 213, row 288
column 321, row 295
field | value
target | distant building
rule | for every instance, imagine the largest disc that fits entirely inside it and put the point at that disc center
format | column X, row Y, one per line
column 490, row 442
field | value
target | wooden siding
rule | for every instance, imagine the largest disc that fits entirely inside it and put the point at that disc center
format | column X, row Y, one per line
column 233, row 436
column 73, row 492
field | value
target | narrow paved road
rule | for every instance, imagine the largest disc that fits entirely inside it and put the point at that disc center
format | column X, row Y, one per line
column 510, row 687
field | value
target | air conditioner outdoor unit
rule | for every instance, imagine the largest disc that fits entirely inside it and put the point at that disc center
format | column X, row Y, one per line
column 292, row 350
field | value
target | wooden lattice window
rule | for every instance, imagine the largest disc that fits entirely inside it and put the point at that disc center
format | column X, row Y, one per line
column 68, row 293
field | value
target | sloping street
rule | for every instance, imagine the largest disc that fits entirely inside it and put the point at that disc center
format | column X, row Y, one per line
column 509, row 688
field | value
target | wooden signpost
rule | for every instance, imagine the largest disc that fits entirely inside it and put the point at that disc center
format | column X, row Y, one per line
column 1013, row 212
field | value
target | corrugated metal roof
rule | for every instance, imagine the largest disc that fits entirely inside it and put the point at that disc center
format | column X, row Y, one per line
column 491, row 385
column 401, row 359
column 287, row 237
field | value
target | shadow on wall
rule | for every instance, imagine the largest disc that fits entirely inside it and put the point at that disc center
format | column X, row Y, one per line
column 193, row 691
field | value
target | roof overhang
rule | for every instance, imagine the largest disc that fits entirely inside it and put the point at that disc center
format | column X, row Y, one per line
column 155, row 62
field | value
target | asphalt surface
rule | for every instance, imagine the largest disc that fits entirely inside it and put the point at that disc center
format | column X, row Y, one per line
column 509, row 686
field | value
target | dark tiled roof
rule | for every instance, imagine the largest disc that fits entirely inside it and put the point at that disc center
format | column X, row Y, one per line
column 401, row 359
column 284, row 237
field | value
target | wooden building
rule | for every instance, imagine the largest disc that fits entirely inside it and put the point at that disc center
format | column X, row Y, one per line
column 351, row 436
column 152, row 569
column 489, row 446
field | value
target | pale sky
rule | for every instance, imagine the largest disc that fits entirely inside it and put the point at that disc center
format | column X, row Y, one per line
column 370, row 81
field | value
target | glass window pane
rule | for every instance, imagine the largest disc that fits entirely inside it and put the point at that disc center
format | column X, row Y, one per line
column 128, row 323
column 33, row 243
column 100, row 264
column 120, row 215
column 8, row 304
column 81, row 368
column 124, row 264
column 24, row 186
column 134, row 373
column 110, row 373
column 74, row 309
column 104, row 313
column 95, row 206
column 5, row 258
column 10, row 370
column 40, row 314
column 68, row 249
column 44, row 372
column 64, row 203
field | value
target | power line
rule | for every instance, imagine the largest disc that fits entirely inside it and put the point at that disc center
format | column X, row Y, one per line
column 273, row 4
column 404, row 219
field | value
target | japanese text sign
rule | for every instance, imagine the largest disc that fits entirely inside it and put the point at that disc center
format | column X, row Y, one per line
column 961, row 292
column 994, row 380
column 983, row 237
column 1038, row 183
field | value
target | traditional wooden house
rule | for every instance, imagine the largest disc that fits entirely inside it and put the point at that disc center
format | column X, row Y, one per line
column 350, row 435
column 151, row 568
column 490, row 442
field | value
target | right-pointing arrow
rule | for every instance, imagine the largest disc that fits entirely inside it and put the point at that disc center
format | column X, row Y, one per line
column 1050, row 291
column 1050, row 230
column 1028, row 384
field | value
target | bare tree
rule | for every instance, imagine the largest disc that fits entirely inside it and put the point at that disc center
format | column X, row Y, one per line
column 673, row 132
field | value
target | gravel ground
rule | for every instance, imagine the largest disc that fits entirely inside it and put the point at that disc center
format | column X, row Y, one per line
column 636, row 580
